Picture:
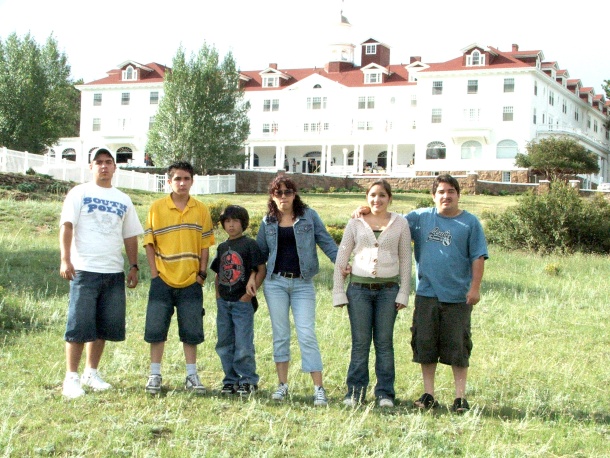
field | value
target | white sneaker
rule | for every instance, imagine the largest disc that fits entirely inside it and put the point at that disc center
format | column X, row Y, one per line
column 350, row 402
column 94, row 380
column 386, row 402
column 319, row 396
column 281, row 393
column 71, row 388
column 194, row 385
column 153, row 385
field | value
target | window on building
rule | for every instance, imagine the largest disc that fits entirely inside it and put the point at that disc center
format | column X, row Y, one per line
column 551, row 98
column 437, row 115
column 436, row 150
column 437, row 87
column 475, row 59
column 130, row 74
column 595, row 125
column 507, row 114
column 506, row 149
column 97, row 100
column 154, row 98
column 535, row 87
column 588, row 122
column 413, row 100
column 365, row 125
column 271, row 81
column 125, row 98
column 564, row 106
column 97, row 124
column 576, row 115
column 151, row 121
column 534, row 120
column 505, row 177
column 472, row 150
column 509, row 84
column 471, row 114
column 365, row 103
column 316, row 103
column 372, row 78
column 371, row 49
column 271, row 105
column 473, row 86
column 266, row 128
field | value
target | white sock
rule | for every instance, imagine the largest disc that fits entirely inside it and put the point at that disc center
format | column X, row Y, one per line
column 155, row 368
column 70, row 375
column 191, row 369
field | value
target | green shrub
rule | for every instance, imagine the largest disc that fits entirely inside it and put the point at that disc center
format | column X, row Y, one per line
column 559, row 221
column 336, row 233
column 26, row 187
column 30, row 171
column 216, row 209
column 354, row 189
column 423, row 202
column 332, row 189
column 552, row 269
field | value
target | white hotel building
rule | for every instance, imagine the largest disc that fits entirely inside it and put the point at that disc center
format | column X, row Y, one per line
column 471, row 113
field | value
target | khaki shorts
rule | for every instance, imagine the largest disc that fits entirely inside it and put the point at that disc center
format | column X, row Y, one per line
column 441, row 332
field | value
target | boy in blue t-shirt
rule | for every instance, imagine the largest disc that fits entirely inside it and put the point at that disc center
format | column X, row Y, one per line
column 450, row 252
column 240, row 270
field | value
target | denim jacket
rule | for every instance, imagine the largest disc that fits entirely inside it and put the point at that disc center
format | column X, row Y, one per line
column 309, row 231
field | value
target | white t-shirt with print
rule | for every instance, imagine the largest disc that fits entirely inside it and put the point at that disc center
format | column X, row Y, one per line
column 102, row 218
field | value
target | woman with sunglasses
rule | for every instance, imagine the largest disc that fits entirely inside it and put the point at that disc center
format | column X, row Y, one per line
column 288, row 236
column 380, row 242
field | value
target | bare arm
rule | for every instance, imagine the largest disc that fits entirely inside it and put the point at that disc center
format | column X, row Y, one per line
column 66, row 269
column 131, row 248
column 150, row 257
column 474, row 294
column 203, row 264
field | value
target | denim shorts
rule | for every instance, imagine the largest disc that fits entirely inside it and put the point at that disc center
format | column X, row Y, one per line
column 188, row 302
column 441, row 332
column 97, row 307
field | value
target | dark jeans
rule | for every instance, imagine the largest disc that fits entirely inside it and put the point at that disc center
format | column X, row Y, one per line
column 372, row 314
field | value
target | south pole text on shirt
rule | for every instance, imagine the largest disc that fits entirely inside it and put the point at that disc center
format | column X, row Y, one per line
column 108, row 206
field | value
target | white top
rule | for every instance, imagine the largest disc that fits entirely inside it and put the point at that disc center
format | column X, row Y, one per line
column 102, row 218
column 383, row 257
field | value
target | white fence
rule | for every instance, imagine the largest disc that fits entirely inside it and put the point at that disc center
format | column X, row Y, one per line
column 20, row 162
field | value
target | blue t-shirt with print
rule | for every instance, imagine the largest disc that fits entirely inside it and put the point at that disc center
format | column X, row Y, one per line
column 445, row 249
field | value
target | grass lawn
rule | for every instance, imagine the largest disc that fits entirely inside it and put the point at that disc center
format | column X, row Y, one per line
column 538, row 382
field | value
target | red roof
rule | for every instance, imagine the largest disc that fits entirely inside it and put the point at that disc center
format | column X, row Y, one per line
column 150, row 73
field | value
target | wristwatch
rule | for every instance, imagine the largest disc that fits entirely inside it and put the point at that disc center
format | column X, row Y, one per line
column 203, row 274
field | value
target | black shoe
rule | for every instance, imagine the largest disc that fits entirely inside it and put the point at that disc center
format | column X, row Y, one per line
column 245, row 389
column 228, row 389
column 460, row 405
column 426, row 401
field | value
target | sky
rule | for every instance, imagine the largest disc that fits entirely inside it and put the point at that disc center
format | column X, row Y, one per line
column 98, row 36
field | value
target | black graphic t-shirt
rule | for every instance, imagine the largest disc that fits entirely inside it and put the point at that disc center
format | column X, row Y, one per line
column 235, row 260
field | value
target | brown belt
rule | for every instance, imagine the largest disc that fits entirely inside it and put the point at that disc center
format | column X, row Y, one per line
column 375, row 286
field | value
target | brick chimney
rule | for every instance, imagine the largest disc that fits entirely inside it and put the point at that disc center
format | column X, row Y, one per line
column 414, row 59
column 273, row 66
column 515, row 47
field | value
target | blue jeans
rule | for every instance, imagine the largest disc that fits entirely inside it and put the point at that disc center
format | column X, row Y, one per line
column 235, row 347
column 97, row 307
column 372, row 314
column 281, row 295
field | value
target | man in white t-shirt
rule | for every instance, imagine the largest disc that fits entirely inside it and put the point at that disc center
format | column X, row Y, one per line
column 96, row 221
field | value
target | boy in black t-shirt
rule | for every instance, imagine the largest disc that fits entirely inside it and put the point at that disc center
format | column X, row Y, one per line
column 240, row 270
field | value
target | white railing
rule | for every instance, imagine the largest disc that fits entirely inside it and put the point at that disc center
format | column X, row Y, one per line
column 20, row 162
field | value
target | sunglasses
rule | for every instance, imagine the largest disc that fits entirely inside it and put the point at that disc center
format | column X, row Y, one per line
column 284, row 192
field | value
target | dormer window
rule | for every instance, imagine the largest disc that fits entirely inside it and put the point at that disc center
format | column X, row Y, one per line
column 475, row 59
column 271, row 81
column 130, row 74
column 370, row 49
column 372, row 78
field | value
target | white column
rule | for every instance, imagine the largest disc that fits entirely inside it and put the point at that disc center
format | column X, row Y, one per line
column 389, row 158
column 323, row 159
column 251, row 157
column 345, row 151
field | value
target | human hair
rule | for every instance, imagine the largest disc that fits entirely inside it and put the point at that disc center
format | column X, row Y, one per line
column 445, row 178
column 384, row 184
column 298, row 206
column 235, row 212
column 180, row 165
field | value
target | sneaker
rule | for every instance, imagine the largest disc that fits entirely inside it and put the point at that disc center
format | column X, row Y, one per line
column 153, row 385
column 385, row 402
column 426, row 401
column 228, row 389
column 281, row 393
column 350, row 402
column 194, row 385
column 460, row 405
column 245, row 389
column 71, row 388
column 319, row 396
column 94, row 381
